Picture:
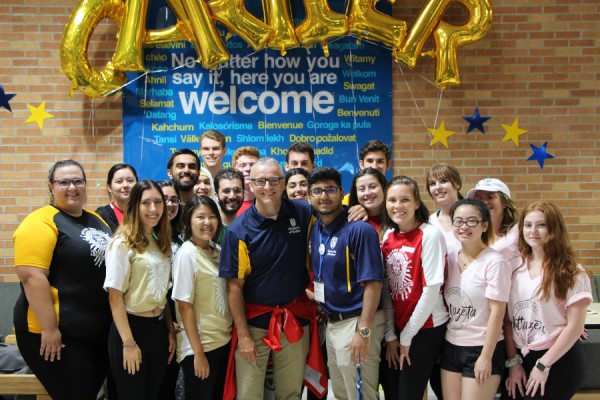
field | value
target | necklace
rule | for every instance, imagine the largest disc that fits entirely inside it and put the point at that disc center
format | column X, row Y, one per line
column 464, row 260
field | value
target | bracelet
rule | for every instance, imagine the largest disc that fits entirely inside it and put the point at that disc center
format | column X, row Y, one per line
column 511, row 362
column 130, row 345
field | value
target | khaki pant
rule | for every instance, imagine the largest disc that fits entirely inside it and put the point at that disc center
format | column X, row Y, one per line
column 342, row 371
column 288, row 368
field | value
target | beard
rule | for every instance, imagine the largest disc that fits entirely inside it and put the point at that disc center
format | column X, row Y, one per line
column 226, row 206
column 185, row 186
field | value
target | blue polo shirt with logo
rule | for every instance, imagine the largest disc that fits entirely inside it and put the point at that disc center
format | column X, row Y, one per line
column 269, row 254
column 351, row 256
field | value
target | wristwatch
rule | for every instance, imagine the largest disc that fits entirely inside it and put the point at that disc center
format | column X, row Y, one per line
column 364, row 332
column 511, row 362
column 540, row 366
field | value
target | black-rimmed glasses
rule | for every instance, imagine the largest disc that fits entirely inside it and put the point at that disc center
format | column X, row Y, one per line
column 318, row 192
column 65, row 183
column 471, row 223
column 273, row 181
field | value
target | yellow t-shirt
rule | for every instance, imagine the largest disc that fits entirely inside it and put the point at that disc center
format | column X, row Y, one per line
column 144, row 278
column 196, row 281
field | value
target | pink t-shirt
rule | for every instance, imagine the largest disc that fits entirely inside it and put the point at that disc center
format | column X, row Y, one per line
column 467, row 295
column 413, row 260
column 508, row 246
column 536, row 323
column 452, row 243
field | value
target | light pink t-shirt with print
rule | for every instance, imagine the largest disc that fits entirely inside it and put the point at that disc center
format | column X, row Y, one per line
column 452, row 243
column 508, row 246
column 536, row 323
column 467, row 295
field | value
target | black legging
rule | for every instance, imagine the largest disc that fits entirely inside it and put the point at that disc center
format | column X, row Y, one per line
column 565, row 377
column 151, row 337
column 212, row 387
column 425, row 350
column 78, row 374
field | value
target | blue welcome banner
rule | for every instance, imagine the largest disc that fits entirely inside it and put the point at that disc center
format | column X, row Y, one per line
column 263, row 99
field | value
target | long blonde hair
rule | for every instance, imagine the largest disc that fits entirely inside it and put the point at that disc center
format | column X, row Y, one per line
column 131, row 229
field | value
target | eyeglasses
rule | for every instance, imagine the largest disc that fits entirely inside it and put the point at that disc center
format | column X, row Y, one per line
column 173, row 200
column 471, row 223
column 318, row 192
column 273, row 181
column 65, row 183
column 235, row 190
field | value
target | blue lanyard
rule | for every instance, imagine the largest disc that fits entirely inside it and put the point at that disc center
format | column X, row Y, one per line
column 324, row 247
column 322, row 251
column 359, row 383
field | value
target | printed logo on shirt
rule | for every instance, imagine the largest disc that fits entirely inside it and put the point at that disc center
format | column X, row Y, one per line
column 293, row 228
column 527, row 324
column 460, row 308
column 398, row 268
column 159, row 273
column 98, row 242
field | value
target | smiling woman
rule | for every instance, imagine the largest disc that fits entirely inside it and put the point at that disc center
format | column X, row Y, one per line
column 62, row 316
column 138, row 269
column 120, row 180
column 476, row 291
column 414, row 252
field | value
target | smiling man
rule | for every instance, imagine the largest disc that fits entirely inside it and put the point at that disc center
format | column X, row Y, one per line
column 183, row 167
column 229, row 187
column 264, row 261
column 243, row 159
column 212, row 150
column 346, row 261
column 300, row 155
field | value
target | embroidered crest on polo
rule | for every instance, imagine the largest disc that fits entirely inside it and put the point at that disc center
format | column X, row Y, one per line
column 333, row 242
column 293, row 228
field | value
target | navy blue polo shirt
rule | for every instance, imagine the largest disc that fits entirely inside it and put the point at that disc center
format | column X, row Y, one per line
column 352, row 255
column 269, row 254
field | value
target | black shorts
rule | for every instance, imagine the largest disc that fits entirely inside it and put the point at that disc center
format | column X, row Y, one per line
column 462, row 359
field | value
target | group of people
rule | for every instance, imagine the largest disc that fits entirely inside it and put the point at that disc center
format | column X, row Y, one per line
column 223, row 272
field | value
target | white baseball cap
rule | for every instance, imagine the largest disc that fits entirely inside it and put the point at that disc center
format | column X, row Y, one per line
column 489, row 185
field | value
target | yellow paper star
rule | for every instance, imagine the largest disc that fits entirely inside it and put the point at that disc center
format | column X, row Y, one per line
column 440, row 135
column 38, row 114
column 513, row 132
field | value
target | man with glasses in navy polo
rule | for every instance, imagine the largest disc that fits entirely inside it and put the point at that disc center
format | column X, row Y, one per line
column 347, row 264
column 264, row 259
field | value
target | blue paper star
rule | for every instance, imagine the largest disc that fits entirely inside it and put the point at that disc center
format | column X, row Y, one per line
column 476, row 121
column 5, row 98
column 539, row 154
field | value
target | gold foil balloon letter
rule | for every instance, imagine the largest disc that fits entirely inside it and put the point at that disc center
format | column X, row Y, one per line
column 238, row 20
column 366, row 22
column 449, row 38
column 320, row 24
column 73, row 49
column 278, row 16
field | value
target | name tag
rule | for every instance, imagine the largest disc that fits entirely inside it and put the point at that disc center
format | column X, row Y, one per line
column 319, row 292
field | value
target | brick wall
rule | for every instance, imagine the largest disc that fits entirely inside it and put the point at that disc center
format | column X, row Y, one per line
column 539, row 63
